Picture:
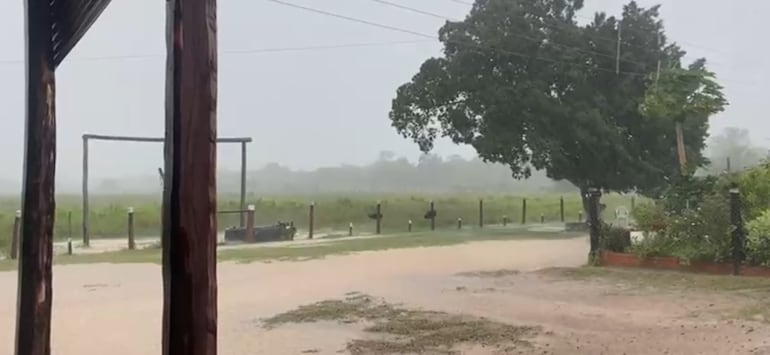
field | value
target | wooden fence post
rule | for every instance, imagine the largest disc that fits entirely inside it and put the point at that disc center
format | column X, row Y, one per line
column 542, row 218
column 433, row 216
column 311, row 221
column 505, row 221
column 250, row 236
column 524, row 211
column 737, row 222
column 15, row 236
column 409, row 228
column 481, row 213
column 561, row 208
column 350, row 229
column 378, row 228
column 131, row 241
column 69, row 246
column 459, row 223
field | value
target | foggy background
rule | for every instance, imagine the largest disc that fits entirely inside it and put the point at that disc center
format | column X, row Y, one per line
column 322, row 108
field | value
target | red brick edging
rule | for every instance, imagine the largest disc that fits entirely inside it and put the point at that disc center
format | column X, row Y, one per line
column 609, row 258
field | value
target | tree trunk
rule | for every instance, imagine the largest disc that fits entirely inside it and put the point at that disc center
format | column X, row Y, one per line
column 680, row 148
column 585, row 198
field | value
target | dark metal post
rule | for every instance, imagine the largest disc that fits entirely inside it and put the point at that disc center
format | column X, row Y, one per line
column 250, row 236
column 312, row 221
column 34, row 295
column 459, row 223
column 15, row 235
column 481, row 213
column 131, row 241
column 350, row 229
column 69, row 246
column 505, row 221
column 243, row 181
column 409, row 227
column 189, row 203
column 524, row 211
column 378, row 228
column 737, row 222
column 86, row 235
column 433, row 216
column 561, row 208
column 593, row 216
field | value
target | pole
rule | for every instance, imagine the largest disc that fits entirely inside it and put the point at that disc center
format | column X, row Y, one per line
column 505, row 221
column 190, row 188
column 561, row 208
column 593, row 216
column 34, row 292
column 729, row 168
column 312, row 221
column 737, row 222
column 15, row 236
column 378, row 228
column 350, row 229
column 524, row 211
column 432, row 216
column 459, row 223
column 243, row 180
column 250, row 236
column 409, row 227
column 481, row 213
column 86, row 235
column 542, row 218
column 69, row 225
column 131, row 241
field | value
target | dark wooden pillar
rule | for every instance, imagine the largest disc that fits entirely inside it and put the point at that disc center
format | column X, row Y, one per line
column 189, row 200
column 33, row 316
column 243, row 180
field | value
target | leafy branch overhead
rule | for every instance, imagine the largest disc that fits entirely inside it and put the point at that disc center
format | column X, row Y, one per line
column 527, row 86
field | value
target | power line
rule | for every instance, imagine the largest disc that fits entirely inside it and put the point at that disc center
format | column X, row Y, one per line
column 411, row 9
column 462, row 2
column 245, row 51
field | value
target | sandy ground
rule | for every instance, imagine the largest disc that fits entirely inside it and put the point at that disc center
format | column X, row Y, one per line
column 116, row 309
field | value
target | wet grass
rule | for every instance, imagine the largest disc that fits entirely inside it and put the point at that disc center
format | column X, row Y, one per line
column 305, row 252
column 399, row 330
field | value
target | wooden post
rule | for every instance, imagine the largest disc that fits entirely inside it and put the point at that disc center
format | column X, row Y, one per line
column 86, row 231
column 593, row 217
column 505, row 221
column 350, row 229
column 378, row 228
column 69, row 246
column 311, row 223
column 737, row 222
column 15, row 235
column 250, row 236
column 542, row 218
column 409, row 227
column 433, row 216
column 243, row 181
column 481, row 213
column 69, row 225
column 561, row 208
column 459, row 223
column 34, row 295
column 131, row 241
column 189, row 203
column 524, row 211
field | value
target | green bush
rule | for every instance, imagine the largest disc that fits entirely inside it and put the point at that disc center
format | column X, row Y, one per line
column 755, row 191
column 758, row 241
column 650, row 217
column 653, row 244
column 615, row 239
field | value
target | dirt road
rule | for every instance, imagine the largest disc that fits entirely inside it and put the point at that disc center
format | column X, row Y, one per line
column 116, row 309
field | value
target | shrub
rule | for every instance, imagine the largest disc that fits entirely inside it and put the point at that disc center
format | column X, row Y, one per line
column 755, row 191
column 653, row 244
column 703, row 234
column 758, row 241
column 615, row 239
column 650, row 217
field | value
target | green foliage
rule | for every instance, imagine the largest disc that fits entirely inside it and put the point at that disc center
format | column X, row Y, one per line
column 689, row 192
column 701, row 234
column 615, row 239
column 758, row 241
column 755, row 191
column 650, row 217
column 576, row 119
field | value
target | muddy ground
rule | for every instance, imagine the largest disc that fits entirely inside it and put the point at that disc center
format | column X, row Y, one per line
column 503, row 297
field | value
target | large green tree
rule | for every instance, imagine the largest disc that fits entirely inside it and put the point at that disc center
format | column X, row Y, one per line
column 526, row 85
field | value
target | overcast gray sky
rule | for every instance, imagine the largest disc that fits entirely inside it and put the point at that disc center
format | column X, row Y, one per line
column 311, row 108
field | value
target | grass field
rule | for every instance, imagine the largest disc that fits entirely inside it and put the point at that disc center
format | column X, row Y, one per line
column 108, row 213
column 339, row 246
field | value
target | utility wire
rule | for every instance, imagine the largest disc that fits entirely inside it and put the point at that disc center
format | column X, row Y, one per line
column 411, row 9
column 402, row 30
column 244, row 51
